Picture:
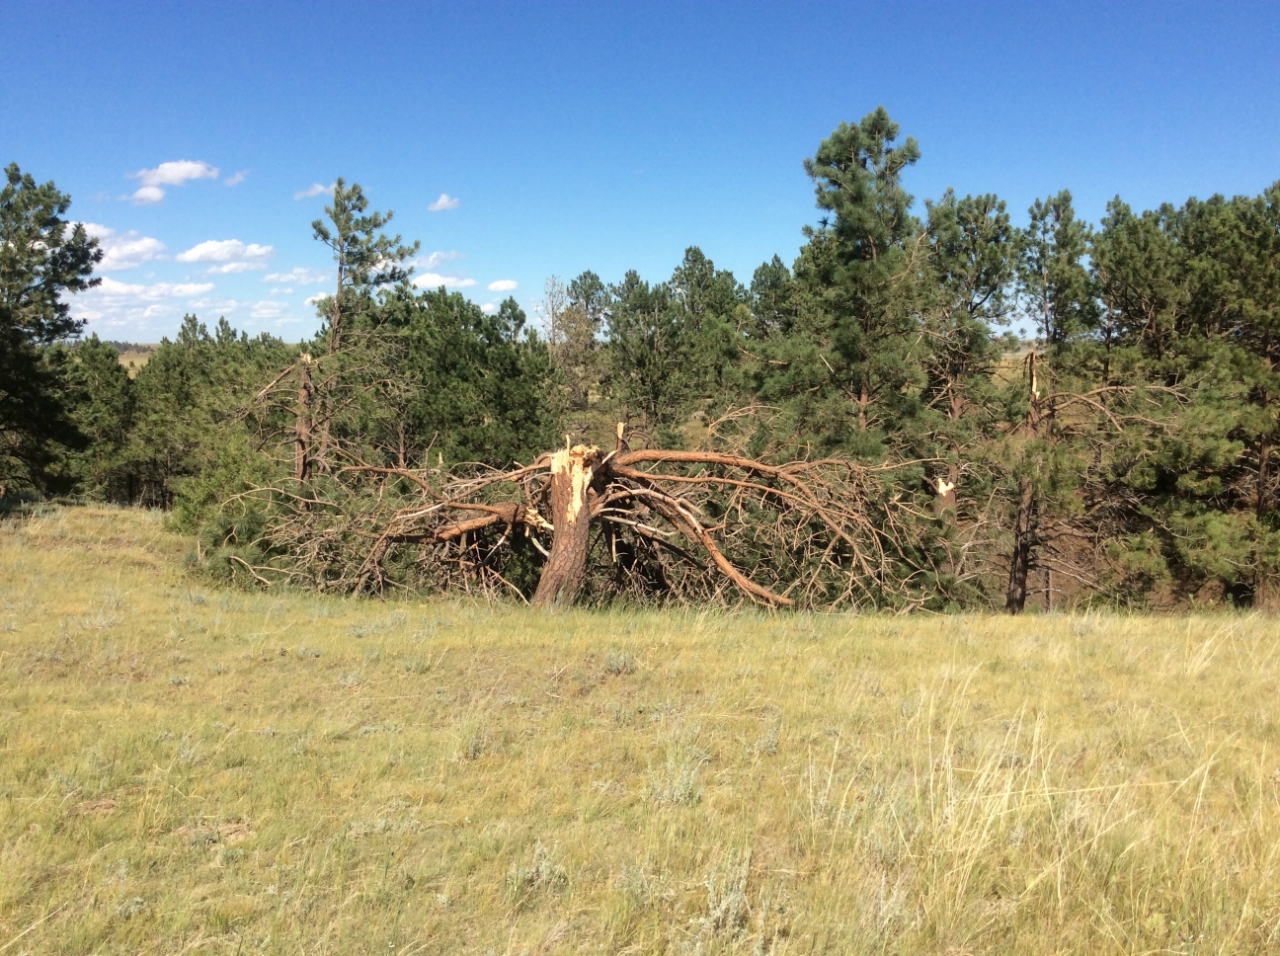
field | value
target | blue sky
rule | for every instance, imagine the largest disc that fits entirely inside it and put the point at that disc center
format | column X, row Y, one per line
column 574, row 136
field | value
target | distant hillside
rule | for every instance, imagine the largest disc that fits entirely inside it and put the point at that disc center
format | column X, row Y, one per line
column 133, row 355
column 123, row 347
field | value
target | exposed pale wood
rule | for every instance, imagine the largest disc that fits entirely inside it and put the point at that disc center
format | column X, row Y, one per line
column 571, row 471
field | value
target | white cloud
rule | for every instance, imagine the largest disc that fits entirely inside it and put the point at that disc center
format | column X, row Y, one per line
column 299, row 276
column 176, row 173
column 157, row 290
column 266, row 309
column 169, row 174
column 502, row 285
column 432, row 280
column 280, row 292
column 221, row 306
column 312, row 300
column 224, row 250
column 147, row 195
column 444, row 202
column 232, row 256
column 277, row 313
column 123, row 251
column 433, row 260
column 315, row 189
column 237, row 179
column 487, row 307
column 133, row 306
column 231, row 268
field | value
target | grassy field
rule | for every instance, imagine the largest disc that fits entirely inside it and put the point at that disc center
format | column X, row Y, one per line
column 184, row 770
column 135, row 359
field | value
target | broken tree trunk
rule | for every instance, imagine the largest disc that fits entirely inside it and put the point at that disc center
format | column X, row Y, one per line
column 1024, row 526
column 1023, row 539
column 302, row 423
column 571, row 472
column 944, row 505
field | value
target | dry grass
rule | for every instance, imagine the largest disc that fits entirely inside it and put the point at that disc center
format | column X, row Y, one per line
column 190, row 771
column 133, row 360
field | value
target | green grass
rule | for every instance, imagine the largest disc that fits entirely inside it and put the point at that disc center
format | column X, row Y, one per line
column 184, row 770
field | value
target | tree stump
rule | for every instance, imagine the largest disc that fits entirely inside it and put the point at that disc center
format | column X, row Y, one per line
column 562, row 577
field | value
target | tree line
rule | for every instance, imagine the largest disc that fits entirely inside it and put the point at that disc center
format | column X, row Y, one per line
column 1123, row 455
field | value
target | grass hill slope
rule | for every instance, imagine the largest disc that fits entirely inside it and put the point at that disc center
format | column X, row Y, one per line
column 184, row 770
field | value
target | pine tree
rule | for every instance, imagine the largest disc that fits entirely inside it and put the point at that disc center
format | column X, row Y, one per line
column 843, row 368
column 648, row 360
column 477, row 387
column 100, row 401
column 972, row 253
column 973, row 250
column 197, row 436
column 353, row 357
column 1057, row 296
column 576, row 349
column 715, row 316
column 42, row 257
column 1190, row 298
column 772, row 300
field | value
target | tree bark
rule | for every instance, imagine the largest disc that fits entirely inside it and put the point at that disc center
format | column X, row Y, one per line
column 1264, row 475
column 562, row 577
column 302, row 426
column 1266, row 590
column 1023, row 539
column 1266, row 595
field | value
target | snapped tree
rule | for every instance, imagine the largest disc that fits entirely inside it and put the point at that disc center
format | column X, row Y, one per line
column 651, row 524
